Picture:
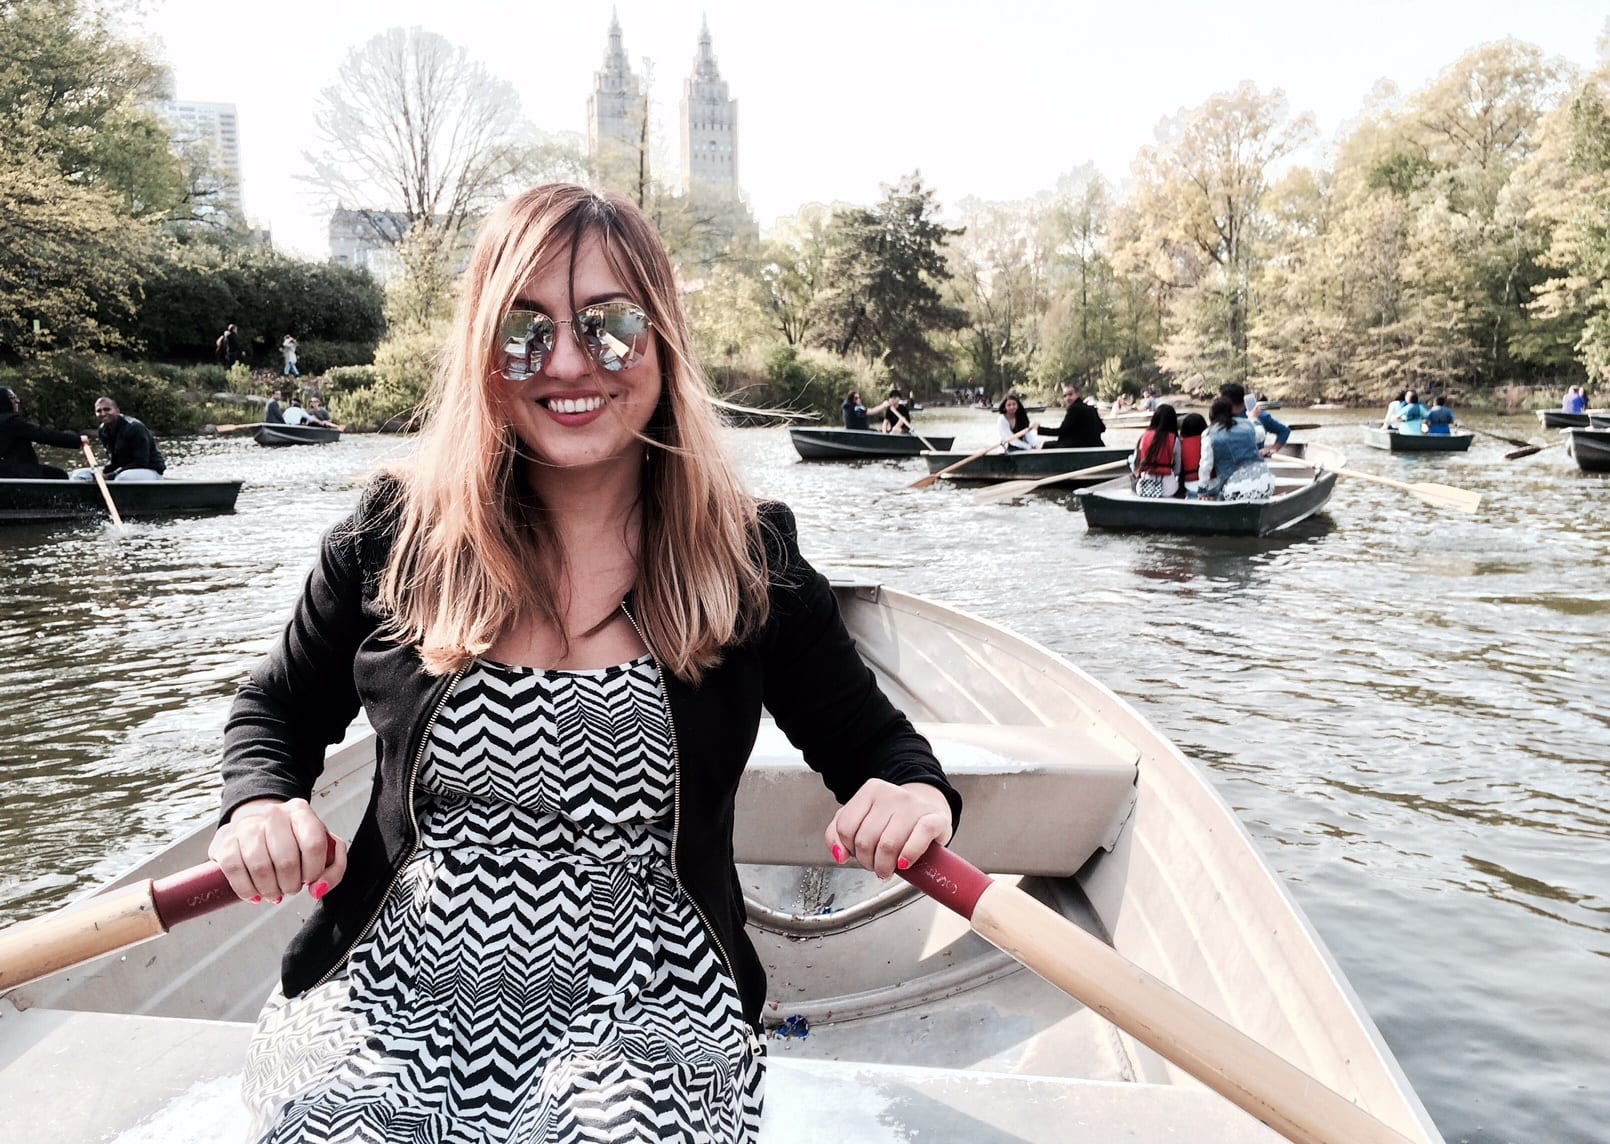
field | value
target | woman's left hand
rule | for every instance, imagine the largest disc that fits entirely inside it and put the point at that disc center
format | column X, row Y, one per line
column 887, row 827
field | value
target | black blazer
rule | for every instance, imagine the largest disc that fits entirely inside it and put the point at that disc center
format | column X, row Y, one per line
column 802, row 665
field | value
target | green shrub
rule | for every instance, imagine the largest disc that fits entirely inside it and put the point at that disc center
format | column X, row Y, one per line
column 197, row 379
column 60, row 391
column 405, row 366
column 346, row 378
column 815, row 380
column 316, row 358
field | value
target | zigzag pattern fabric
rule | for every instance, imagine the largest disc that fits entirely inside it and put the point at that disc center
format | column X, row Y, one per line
column 536, row 975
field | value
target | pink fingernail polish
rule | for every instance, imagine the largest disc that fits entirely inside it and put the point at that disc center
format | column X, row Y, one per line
column 256, row 899
column 903, row 864
column 278, row 900
column 319, row 890
column 838, row 853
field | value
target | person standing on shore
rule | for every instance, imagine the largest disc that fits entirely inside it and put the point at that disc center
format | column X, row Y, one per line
column 288, row 352
column 229, row 345
column 18, row 438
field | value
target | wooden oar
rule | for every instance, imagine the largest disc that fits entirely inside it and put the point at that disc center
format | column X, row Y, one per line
column 1498, row 436
column 926, row 444
column 1441, row 496
column 225, row 430
column 1529, row 449
column 1009, row 489
column 112, row 921
column 100, row 479
column 1154, row 1013
column 925, row 482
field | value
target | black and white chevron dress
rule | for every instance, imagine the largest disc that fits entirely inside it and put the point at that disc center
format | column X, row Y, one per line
column 536, row 975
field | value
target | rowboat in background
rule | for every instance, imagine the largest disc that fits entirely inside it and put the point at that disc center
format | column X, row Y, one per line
column 918, row 1029
column 1390, row 439
column 1589, row 448
column 822, row 444
column 1560, row 419
column 1023, row 464
column 33, row 502
column 277, row 435
column 1300, row 492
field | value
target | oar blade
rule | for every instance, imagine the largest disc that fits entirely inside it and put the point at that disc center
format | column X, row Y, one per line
column 1517, row 454
column 1446, row 496
column 1005, row 491
column 924, row 482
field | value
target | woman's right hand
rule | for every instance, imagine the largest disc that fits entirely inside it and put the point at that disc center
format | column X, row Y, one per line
column 270, row 850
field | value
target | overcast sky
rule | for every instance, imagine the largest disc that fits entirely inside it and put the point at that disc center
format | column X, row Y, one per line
column 992, row 99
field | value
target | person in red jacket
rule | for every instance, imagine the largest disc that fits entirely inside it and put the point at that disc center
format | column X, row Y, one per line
column 1156, row 459
column 1192, row 426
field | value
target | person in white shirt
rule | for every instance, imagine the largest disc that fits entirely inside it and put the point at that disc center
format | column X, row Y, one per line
column 1013, row 420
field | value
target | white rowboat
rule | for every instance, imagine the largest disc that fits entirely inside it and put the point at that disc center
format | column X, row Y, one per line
column 918, row 1028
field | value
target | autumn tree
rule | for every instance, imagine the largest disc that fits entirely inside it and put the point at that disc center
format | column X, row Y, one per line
column 1000, row 268
column 1197, row 213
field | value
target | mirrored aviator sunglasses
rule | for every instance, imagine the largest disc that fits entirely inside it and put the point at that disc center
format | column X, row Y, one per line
column 615, row 334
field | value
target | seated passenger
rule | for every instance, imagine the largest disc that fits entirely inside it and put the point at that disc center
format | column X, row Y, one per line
column 1439, row 422
column 1390, row 421
column 1014, row 419
column 1158, row 456
column 1412, row 415
column 1082, row 425
column 1192, row 426
column 854, row 412
column 1232, row 468
column 18, row 438
column 132, row 453
column 296, row 415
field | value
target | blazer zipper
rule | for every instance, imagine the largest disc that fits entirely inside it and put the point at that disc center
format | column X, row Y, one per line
column 413, row 823
column 676, row 806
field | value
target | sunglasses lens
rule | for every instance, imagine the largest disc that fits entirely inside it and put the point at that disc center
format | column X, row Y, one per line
column 527, row 340
column 616, row 332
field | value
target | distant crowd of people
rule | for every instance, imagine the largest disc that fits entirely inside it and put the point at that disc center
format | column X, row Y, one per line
column 1222, row 456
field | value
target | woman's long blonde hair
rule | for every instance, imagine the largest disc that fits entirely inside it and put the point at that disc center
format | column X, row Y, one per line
column 467, row 557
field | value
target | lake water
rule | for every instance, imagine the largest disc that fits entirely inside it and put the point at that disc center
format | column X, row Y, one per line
column 1408, row 709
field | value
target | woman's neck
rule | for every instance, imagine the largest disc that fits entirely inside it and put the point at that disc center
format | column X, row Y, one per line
column 584, row 505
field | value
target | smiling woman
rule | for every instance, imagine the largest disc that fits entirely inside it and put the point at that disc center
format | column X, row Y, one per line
column 561, row 618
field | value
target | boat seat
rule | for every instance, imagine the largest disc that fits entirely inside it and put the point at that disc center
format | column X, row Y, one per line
column 894, row 1104
column 94, row 1078
column 1035, row 800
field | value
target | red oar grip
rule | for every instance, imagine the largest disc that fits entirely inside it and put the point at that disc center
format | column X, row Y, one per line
column 198, row 890
column 952, row 881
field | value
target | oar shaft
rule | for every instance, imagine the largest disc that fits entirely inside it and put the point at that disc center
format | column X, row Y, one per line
column 112, row 921
column 924, row 482
column 1160, row 1017
column 103, row 924
column 926, row 444
column 1177, row 1028
column 100, row 479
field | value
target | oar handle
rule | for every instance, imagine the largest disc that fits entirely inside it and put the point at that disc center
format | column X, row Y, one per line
column 112, row 921
column 1153, row 1012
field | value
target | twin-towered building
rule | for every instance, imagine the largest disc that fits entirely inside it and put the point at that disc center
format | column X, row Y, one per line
column 617, row 126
